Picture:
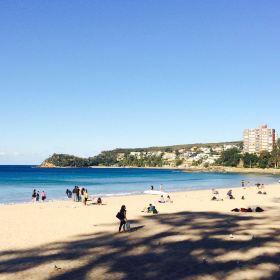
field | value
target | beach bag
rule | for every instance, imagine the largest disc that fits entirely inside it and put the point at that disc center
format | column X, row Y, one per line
column 119, row 215
column 127, row 226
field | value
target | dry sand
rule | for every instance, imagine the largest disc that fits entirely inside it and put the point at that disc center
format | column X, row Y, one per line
column 191, row 238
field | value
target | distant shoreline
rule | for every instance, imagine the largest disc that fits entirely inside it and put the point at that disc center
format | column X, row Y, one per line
column 221, row 169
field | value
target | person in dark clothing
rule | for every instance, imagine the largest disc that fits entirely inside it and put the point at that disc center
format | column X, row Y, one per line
column 78, row 194
column 75, row 197
column 68, row 193
column 38, row 196
column 34, row 195
column 229, row 194
column 122, row 217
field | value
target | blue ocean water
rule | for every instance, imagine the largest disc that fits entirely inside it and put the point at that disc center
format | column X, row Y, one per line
column 17, row 182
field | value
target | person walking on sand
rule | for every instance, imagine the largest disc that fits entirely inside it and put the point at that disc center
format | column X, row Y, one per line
column 122, row 217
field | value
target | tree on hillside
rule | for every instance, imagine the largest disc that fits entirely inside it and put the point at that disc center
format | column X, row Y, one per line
column 230, row 157
column 265, row 160
column 250, row 160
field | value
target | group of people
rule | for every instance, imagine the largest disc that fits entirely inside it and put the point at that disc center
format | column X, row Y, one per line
column 217, row 197
column 36, row 196
column 162, row 200
column 260, row 188
column 80, row 194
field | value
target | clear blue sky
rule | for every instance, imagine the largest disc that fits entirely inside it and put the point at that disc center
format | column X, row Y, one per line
column 84, row 76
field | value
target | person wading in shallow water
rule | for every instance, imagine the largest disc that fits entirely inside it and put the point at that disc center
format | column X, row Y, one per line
column 122, row 217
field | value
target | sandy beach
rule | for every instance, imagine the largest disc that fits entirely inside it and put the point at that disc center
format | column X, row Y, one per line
column 191, row 238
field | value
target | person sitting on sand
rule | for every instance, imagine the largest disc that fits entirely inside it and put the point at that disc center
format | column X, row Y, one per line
column 121, row 215
column 229, row 194
column 44, row 196
column 168, row 199
column 215, row 192
column 99, row 201
column 216, row 195
column 161, row 199
column 150, row 209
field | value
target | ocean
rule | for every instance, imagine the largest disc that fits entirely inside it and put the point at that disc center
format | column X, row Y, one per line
column 17, row 182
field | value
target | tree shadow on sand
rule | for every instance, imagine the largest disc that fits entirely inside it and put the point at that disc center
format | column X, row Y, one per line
column 184, row 245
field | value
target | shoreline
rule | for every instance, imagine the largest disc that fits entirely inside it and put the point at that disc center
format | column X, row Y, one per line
column 136, row 194
column 211, row 169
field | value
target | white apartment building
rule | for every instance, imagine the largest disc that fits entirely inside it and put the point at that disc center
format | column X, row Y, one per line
column 259, row 139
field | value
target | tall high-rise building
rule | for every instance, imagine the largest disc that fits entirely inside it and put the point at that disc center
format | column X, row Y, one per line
column 259, row 139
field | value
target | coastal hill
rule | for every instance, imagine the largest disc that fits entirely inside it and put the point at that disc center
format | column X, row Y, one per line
column 209, row 157
column 167, row 156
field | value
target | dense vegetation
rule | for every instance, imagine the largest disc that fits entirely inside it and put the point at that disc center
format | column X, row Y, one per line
column 233, row 157
column 105, row 159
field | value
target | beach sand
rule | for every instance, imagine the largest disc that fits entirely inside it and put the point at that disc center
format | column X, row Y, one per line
column 191, row 238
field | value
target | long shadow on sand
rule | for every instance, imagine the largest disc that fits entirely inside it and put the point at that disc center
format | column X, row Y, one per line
column 185, row 245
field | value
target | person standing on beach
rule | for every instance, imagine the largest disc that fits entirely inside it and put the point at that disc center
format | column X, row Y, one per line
column 68, row 193
column 75, row 193
column 78, row 194
column 34, row 195
column 85, row 196
column 122, row 217
column 44, row 196
column 38, row 196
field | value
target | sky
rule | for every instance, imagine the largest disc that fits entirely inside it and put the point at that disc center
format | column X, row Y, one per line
column 80, row 77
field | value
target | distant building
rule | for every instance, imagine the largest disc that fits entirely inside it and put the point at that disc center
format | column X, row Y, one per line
column 259, row 139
